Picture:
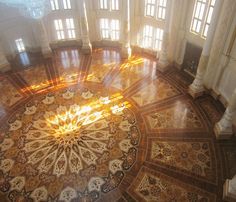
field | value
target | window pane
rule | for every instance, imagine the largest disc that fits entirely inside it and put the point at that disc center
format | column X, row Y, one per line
column 114, row 4
column 70, row 28
column 150, row 8
column 20, row 45
column 198, row 15
column 54, row 4
column 147, row 36
column 161, row 12
column 115, row 29
column 103, row 4
column 59, row 29
column 66, row 4
column 159, row 38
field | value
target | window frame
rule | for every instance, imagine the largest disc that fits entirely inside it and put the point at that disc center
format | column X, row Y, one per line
column 70, row 28
column 109, row 5
column 59, row 28
column 20, row 45
column 66, row 4
column 111, row 32
column 54, row 5
column 208, row 5
column 157, row 6
column 155, row 37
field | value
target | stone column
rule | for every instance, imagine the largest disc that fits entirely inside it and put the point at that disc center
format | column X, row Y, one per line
column 4, row 64
column 224, row 128
column 163, row 62
column 196, row 89
column 125, row 49
column 229, row 191
column 44, row 42
column 86, row 45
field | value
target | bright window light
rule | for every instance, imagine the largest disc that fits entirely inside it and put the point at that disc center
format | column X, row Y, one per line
column 103, row 4
column 59, row 29
column 66, row 4
column 110, row 5
column 114, row 5
column 202, row 15
column 156, row 9
column 115, row 30
column 70, row 28
column 161, row 13
column 152, row 38
column 20, row 45
column 54, row 5
column 159, row 38
column 150, row 8
column 104, row 27
column 110, row 29
column 147, row 36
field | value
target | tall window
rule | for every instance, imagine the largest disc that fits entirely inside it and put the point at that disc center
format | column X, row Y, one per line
column 54, row 5
column 66, row 4
column 114, row 5
column 158, row 39
column 110, row 29
column 20, row 45
column 202, row 15
column 65, row 28
column 152, row 37
column 59, row 29
column 70, row 28
column 103, row 4
column 147, row 36
column 111, row 5
column 156, row 9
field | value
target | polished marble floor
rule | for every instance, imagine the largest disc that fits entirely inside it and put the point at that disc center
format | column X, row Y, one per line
column 98, row 128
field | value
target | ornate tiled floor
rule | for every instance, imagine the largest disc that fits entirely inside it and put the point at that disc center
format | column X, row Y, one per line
column 97, row 128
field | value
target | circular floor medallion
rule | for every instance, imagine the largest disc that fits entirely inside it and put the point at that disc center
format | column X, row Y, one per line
column 66, row 145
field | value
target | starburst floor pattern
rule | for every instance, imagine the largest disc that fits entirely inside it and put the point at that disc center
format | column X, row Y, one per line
column 70, row 143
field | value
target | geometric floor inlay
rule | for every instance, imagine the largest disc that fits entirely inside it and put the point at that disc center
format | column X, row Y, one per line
column 157, row 90
column 179, row 115
column 11, row 95
column 193, row 156
column 155, row 186
column 36, row 82
column 68, row 144
column 97, row 127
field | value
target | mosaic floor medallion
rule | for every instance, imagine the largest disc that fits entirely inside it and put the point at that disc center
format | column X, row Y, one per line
column 66, row 145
